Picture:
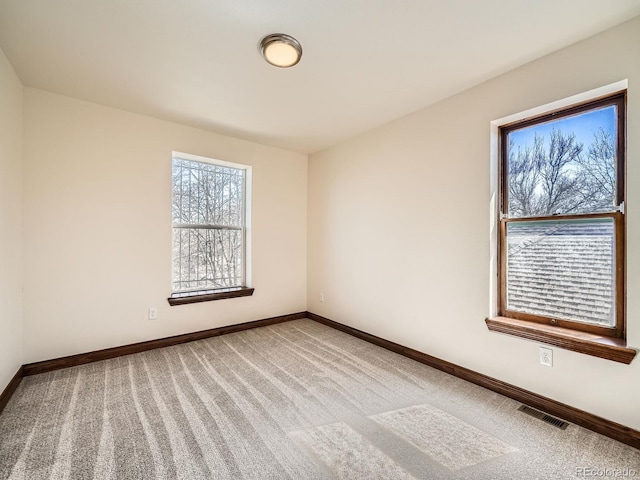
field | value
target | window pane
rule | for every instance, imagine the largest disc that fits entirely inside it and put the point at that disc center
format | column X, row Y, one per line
column 564, row 166
column 208, row 226
column 207, row 194
column 207, row 258
column 562, row 269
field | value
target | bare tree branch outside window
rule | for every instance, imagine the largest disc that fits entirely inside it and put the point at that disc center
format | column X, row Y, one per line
column 555, row 175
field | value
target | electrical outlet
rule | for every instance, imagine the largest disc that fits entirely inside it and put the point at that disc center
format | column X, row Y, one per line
column 546, row 356
column 153, row 313
column 322, row 296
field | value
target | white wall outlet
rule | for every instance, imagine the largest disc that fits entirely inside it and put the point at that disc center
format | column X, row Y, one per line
column 322, row 296
column 546, row 356
column 153, row 313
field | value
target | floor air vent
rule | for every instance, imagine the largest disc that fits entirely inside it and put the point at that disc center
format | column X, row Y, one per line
column 556, row 422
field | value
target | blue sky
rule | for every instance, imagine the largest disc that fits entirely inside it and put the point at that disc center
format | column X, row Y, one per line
column 583, row 125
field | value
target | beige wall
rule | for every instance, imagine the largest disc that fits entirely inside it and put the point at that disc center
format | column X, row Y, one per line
column 399, row 228
column 98, row 227
column 10, row 222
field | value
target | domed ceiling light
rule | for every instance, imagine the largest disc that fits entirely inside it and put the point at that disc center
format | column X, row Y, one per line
column 281, row 50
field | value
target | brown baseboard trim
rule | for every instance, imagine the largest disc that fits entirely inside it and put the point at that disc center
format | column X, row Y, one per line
column 6, row 394
column 595, row 423
column 82, row 358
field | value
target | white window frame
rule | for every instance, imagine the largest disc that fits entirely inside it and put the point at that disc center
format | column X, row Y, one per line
column 179, row 296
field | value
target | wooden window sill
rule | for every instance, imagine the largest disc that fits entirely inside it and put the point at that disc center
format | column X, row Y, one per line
column 209, row 295
column 609, row 348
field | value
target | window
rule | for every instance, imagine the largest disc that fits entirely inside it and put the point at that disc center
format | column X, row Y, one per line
column 562, row 224
column 209, row 215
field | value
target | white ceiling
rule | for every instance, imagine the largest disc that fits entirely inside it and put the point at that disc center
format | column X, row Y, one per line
column 365, row 62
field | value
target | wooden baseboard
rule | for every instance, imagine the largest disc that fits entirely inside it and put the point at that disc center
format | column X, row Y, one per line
column 571, row 414
column 6, row 394
column 82, row 358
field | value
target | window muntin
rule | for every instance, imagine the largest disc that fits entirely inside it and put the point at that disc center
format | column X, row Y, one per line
column 562, row 218
column 208, row 220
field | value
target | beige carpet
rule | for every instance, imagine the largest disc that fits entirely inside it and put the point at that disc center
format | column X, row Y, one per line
column 297, row 400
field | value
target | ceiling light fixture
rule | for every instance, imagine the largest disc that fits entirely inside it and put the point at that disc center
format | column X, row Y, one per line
column 281, row 50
